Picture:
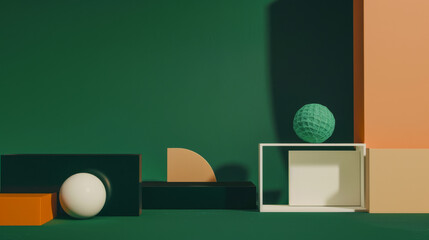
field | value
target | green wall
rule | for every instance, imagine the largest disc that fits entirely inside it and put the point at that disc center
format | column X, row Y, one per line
column 142, row 76
column 136, row 77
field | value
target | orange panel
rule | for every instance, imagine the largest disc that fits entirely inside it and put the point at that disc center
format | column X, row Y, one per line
column 398, row 180
column 396, row 75
column 27, row 208
column 184, row 165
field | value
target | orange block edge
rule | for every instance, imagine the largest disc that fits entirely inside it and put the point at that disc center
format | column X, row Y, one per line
column 27, row 209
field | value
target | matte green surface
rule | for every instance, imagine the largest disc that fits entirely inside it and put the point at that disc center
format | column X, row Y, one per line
column 136, row 77
column 223, row 224
column 216, row 77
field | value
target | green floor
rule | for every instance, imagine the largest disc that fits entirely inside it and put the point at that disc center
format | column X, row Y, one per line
column 224, row 224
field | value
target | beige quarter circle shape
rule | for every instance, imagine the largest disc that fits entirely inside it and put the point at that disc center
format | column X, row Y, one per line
column 184, row 165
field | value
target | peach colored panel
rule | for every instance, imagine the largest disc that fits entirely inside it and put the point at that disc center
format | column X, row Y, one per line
column 398, row 180
column 184, row 165
column 396, row 73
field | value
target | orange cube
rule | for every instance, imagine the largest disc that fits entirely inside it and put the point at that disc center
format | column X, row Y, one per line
column 19, row 209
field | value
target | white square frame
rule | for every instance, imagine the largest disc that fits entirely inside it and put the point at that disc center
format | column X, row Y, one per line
column 361, row 147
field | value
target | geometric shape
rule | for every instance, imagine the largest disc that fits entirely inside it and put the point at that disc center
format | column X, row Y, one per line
column 198, row 195
column 22, row 209
column 45, row 173
column 398, row 180
column 184, row 165
column 314, row 123
column 393, row 78
column 359, row 147
column 82, row 195
column 324, row 178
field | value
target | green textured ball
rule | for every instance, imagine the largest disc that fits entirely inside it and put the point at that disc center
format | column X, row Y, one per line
column 314, row 123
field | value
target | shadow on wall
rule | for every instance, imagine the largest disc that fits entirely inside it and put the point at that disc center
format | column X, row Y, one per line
column 311, row 61
column 235, row 172
column 231, row 173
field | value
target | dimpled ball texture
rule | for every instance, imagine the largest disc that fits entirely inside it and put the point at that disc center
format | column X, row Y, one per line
column 82, row 195
column 314, row 123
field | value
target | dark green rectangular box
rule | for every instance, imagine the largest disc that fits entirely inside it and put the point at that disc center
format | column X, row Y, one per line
column 45, row 173
column 198, row 195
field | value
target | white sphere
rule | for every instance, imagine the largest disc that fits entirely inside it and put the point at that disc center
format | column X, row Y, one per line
column 82, row 195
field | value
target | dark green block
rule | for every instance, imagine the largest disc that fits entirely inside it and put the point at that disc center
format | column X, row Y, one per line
column 44, row 173
column 198, row 195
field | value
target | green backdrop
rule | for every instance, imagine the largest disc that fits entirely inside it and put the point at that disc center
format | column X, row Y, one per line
column 214, row 76
column 217, row 77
